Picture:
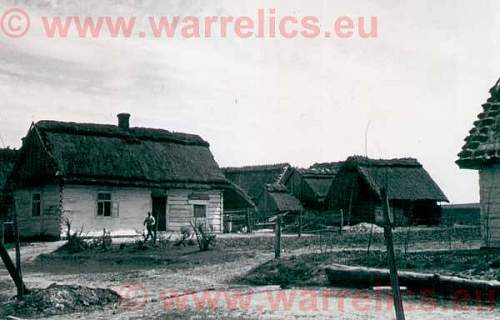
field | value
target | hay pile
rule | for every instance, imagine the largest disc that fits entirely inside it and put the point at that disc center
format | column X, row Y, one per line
column 364, row 228
column 59, row 299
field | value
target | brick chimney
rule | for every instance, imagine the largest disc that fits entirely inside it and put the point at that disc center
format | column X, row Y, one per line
column 124, row 120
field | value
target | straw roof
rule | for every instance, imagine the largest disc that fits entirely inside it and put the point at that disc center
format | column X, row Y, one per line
column 403, row 179
column 253, row 179
column 319, row 177
column 281, row 200
column 482, row 145
column 96, row 153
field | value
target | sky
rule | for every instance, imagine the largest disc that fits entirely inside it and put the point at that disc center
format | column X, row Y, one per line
column 415, row 90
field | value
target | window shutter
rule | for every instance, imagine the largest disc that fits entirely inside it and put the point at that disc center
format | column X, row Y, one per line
column 116, row 209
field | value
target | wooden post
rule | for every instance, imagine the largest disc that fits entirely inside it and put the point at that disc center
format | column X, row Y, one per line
column 277, row 237
column 19, row 283
column 341, row 220
column 300, row 224
column 11, row 268
column 249, row 223
column 349, row 213
column 396, row 294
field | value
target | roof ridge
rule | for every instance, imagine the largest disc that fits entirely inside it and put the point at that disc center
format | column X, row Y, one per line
column 109, row 130
column 264, row 167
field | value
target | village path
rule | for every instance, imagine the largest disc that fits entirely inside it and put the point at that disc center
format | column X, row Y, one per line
column 146, row 289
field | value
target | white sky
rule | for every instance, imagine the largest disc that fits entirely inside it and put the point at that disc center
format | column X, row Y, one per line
column 420, row 84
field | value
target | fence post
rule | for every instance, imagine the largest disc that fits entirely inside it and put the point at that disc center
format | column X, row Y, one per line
column 300, row 224
column 396, row 294
column 249, row 224
column 341, row 220
column 277, row 238
column 20, row 283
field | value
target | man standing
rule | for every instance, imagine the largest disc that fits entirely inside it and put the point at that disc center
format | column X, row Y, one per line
column 149, row 222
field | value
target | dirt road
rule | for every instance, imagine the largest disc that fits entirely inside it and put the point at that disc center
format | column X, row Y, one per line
column 187, row 284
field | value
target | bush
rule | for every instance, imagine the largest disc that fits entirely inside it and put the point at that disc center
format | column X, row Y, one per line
column 204, row 238
column 184, row 238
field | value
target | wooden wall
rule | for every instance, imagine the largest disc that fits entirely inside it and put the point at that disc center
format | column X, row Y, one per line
column 180, row 209
column 130, row 206
column 46, row 225
column 489, row 186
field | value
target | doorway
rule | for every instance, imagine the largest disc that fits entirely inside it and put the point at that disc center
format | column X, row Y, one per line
column 160, row 212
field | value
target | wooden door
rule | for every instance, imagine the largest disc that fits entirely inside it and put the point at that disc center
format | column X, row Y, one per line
column 160, row 212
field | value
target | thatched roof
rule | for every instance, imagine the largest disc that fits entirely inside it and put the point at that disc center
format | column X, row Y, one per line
column 474, row 205
column 482, row 145
column 282, row 200
column 96, row 153
column 319, row 177
column 403, row 179
column 253, row 179
column 8, row 158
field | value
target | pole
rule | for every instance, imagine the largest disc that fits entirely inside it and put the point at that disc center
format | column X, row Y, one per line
column 341, row 220
column 396, row 294
column 277, row 237
column 19, row 284
column 300, row 224
column 350, row 203
column 249, row 227
column 11, row 268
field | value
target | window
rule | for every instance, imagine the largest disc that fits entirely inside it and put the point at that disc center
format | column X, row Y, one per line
column 200, row 211
column 104, row 204
column 36, row 205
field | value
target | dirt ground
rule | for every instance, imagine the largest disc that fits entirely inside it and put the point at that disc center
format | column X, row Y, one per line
column 182, row 283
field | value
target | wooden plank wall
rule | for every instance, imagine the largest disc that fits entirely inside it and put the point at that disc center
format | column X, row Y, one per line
column 48, row 223
column 489, row 185
column 180, row 209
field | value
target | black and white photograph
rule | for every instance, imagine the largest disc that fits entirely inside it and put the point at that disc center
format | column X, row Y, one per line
column 249, row 159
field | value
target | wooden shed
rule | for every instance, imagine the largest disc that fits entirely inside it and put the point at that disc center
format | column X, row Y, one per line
column 311, row 185
column 481, row 152
column 277, row 200
column 413, row 195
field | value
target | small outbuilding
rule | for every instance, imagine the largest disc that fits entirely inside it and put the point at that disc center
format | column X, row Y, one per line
column 481, row 152
column 413, row 195
column 311, row 185
column 277, row 200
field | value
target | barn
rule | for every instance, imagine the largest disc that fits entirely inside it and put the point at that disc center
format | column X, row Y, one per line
column 481, row 152
column 109, row 176
column 413, row 195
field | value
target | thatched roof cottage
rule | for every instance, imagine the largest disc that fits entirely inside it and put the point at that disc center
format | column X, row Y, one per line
column 413, row 195
column 107, row 176
column 311, row 185
column 481, row 152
